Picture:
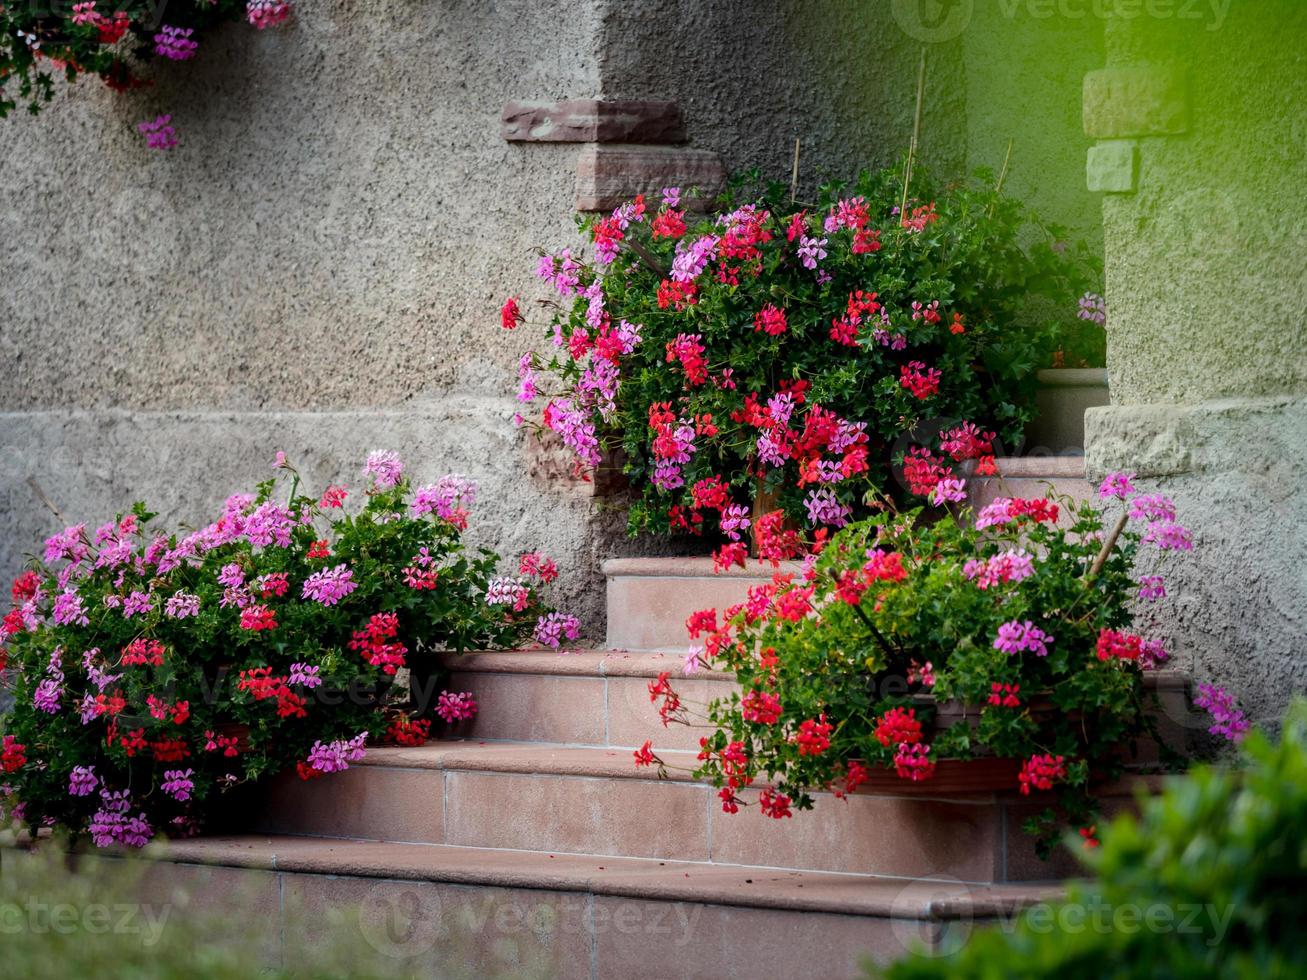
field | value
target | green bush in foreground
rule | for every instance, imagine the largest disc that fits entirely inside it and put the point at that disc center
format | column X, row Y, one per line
column 1209, row 882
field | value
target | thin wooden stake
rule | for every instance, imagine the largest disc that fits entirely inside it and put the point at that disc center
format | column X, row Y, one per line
column 794, row 173
column 36, row 489
column 916, row 134
column 1002, row 176
column 1108, row 545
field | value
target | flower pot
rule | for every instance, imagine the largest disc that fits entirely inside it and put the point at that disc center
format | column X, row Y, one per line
column 1063, row 396
column 953, row 777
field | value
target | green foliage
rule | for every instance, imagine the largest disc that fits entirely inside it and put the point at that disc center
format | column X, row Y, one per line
column 898, row 620
column 979, row 256
column 39, row 41
column 1206, row 883
column 220, row 694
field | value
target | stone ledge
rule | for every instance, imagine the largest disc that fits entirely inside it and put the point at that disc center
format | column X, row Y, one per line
column 1222, row 435
column 579, row 663
column 1072, row 377
column 693, row 567
column 593, row 121
column 803, row 891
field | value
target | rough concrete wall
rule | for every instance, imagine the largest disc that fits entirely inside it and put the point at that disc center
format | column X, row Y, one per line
column 1024, row 65
column 334, row 233
column 335, row 229
column 840, row 75
column 1206, row 302
column 1207, row 257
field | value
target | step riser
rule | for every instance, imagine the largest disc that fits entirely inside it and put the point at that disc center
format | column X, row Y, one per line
column 977, row 841
column 616, row 712
column 423, row 928
column 650, row 599
column 604, row 711
column 648, row 612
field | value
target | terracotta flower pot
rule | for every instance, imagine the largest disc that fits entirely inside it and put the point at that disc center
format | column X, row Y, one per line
column 1063, row 396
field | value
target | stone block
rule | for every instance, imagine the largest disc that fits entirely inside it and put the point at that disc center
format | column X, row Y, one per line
column 593, row 121
column 607, row 175
column 1112, row 167
column 1135, row 100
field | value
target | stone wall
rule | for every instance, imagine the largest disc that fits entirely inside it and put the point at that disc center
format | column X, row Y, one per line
column 318, row 266
column 1206, row 306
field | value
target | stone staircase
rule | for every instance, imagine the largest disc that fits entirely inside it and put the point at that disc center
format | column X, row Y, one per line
column 584, row 865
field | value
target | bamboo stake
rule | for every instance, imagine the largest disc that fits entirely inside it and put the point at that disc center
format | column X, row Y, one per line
column 1108, row 545
column 794, row 173
column 40, row 493
column 1002, row 175
column 916, row 134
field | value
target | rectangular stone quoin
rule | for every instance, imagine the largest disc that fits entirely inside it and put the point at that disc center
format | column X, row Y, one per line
column 593, row 121
column 1135, row 100
column 1111, row 166
column 607, row 175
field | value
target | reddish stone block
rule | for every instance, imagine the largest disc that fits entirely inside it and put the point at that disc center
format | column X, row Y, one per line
column 593, row 121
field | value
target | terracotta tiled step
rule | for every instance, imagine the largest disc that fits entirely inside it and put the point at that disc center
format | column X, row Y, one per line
column 597, row 697
column 532, row 797
column 1030, row 476
column 650, row 598
column 585, row 698
column 462, row 911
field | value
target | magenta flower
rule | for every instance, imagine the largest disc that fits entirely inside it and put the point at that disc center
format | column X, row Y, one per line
column 1151, row 588
column 68, row 610
column 693, row 257
column 304, row 675
column 174, row 43
column 735, row 520
column 551, row 629
column 263, row 14
column 1230, row 721
column 446, row 497
column 811, row 251
column 825, row 508
column 1169, row 536
column 46, row 696
column 384, row 467
column 1016, row 636
column 948, row 490
column 1116, row 485
column 158, row 133
column 182, row 605
column 456, row 707
column 671, row 197
column 178, row 784
column 82, row 781
column 330, row 585
column 1152, row 507
column 1093, row 308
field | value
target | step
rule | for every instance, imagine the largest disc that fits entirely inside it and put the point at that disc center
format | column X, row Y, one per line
column 591, row 697
column 1031, row 476
column 467, row 911
column 649, row 599
column 559, row 799
column 601, row 698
